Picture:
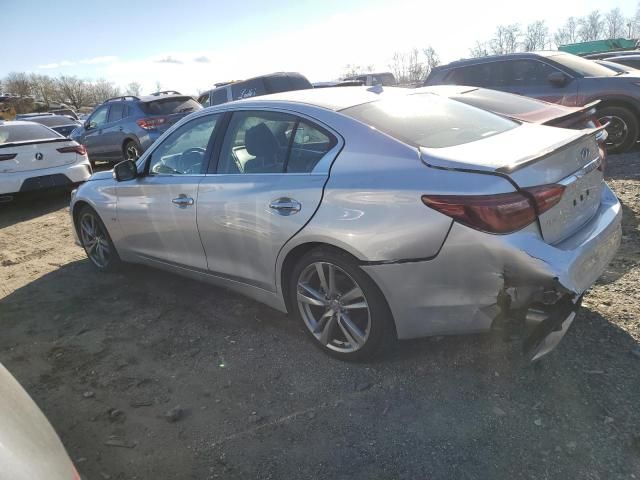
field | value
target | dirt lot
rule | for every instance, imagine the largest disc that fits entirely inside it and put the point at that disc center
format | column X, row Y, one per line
column 107, row 357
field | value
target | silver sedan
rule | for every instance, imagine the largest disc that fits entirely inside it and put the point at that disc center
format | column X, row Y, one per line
column 367, row 215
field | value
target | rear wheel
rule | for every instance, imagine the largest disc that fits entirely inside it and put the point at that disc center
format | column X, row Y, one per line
column 622, row 128
column 341, row 307
column 131, row 151
column 96, row 240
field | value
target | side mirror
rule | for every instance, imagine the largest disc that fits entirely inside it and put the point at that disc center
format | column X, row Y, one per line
column 125, row 170
column 87, row 125
column 557, row 79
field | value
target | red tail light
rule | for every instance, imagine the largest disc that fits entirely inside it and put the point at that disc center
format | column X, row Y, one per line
column 79, row 149
column 151, row 123
column 500, row 213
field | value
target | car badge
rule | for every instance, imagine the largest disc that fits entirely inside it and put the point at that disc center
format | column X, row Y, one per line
column 39, row 156
column 584, row 154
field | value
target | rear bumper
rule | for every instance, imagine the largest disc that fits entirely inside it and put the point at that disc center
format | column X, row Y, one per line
column 477, row 278
column 45, row 178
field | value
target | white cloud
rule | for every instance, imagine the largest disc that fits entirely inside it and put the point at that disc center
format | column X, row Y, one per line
column 64, row 63
column 99, row 60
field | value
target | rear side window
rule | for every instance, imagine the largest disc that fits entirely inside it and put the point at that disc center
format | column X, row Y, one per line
column 248, row 89
column 25, row 133
column 115, row 112
column 219, row 96
column 426, row 120
column 482, row 75
column 204, row 100
column 167, row 106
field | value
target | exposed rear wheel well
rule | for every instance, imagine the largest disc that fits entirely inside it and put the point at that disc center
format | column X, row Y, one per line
column 619, row 103
column 76, row 211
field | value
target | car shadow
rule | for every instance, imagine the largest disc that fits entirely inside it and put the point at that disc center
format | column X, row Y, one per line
column 624, row 166
column 25, row 207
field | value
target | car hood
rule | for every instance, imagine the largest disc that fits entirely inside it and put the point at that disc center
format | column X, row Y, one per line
column 104, row 175
column 29, row 447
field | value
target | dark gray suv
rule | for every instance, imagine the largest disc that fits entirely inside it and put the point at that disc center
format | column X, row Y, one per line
column 124, row 127
column 556, row 77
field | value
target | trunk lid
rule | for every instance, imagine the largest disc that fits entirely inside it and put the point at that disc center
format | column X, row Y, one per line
column 28, row 156
column 533, row 155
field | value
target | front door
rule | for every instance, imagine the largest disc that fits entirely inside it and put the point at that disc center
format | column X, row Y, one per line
column 531, row 78
column 93, row 140
column 157, row 211
column 267, row 185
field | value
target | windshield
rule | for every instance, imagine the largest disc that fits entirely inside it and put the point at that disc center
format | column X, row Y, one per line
column 25, row 132
column 582, row 66
column 426, row 120
column 167, row 106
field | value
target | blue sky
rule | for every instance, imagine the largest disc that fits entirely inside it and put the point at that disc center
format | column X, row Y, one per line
column 188, row 45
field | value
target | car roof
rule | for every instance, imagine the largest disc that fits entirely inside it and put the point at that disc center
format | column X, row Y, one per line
column 493, row 58
column 332, row 98
column 623, row 57
column 266, row 75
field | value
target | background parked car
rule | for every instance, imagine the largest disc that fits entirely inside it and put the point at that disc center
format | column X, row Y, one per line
column 124, row 127
column 632, row 61
column 616, row 67
column 386, row 79
column 339, row 83
column 254, row 87
column 556, row 77
column 62, row 124
column 612, row 53
column 34, row 157
column 30, row 447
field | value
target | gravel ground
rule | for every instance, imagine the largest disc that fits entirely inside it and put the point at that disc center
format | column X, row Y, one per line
column 146, row 375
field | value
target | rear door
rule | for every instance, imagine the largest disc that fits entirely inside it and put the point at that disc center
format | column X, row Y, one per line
column 531, row 78
column 266, row 186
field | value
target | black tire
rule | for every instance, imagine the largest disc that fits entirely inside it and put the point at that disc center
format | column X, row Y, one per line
column 128, row 148
column 381, row 331
column 111, row 258
column 622, row 130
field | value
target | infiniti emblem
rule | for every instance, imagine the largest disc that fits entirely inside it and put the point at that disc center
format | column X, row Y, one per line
column 584, row 154
column 38, row 156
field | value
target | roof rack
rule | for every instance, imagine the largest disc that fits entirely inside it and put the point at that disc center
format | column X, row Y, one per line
column 121, row 99
column 166, row 92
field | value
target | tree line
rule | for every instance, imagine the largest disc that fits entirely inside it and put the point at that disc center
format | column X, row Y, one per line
column 46, row 91
column 412, row 66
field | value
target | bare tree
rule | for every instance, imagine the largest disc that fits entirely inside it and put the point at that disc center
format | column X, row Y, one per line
column 158, row 86
column 74, row 90
column 18, row 83
column 399, row 68
column 480, row 49
column 134, row 88
column 591, row 27
column 568, row 33
column 634, row 24
column 431, row 59
column 505, row 40
column 536, row 37
column 415, row 66
column 614, row 24
column 44, row 88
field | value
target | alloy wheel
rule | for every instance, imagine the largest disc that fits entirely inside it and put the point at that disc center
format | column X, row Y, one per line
column 617, row 129
column 94, row 240
column 333, row 307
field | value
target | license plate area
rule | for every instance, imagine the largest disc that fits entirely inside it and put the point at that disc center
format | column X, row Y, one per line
column 577, row 206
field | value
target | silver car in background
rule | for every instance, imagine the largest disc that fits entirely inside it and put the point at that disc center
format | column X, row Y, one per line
column 367, row 215
column 29, row 447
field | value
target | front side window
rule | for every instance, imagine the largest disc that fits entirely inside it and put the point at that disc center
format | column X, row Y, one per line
column 184, row 151
column 527, row 73
column 115, row 113
column 99, row 117
column 256, row 142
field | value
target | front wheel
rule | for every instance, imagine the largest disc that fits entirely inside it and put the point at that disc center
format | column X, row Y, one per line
column 622, row 129
column 96, row 240
column 341, row 307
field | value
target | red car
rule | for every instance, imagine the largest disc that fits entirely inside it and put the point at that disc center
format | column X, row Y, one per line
column 524, row 109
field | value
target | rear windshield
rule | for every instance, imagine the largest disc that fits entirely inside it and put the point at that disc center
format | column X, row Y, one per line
column 505, row 103
column 52, row 121
column 167, row 106
column 427, row 120
column 25, row 133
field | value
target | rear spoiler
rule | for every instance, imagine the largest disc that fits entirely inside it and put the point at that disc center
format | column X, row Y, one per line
column 587, row 110
column 31, row 142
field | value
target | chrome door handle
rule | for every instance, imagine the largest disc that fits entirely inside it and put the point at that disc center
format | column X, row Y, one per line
column 285, row 206
column 183, row 201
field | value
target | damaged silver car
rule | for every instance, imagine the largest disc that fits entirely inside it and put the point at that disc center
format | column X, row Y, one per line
column 367, row 216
